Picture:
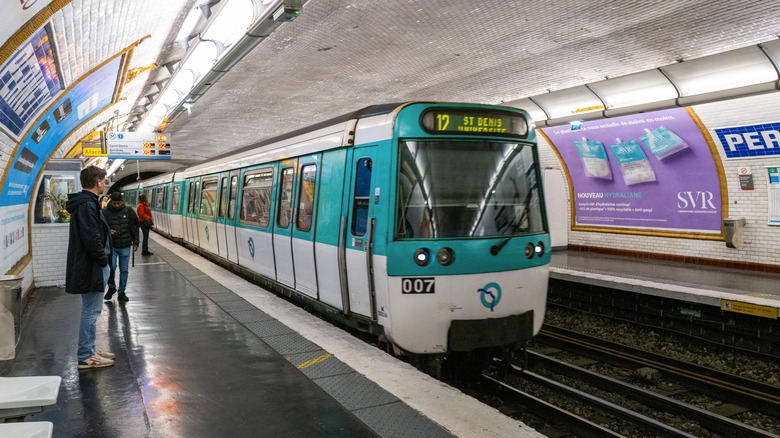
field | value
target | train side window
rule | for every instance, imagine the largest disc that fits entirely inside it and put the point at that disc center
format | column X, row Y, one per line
column 285, row 198
column 306, row 197
column 232, row 205
column 255, row 197
column 165, row 198
column 362, row 196
column 175, row 200
column 208, row 198
column 159, row 198
column 191, row 200
column 223, row 198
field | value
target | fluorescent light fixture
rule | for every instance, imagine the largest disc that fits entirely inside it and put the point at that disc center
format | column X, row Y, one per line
column 201, row 59
column 186, row 29
column 569, row 102
column 634, row 89
column 724, row 71
column 231, row 22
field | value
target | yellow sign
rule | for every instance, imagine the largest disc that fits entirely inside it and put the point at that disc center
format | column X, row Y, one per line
column 749, row 309
column 93, row 152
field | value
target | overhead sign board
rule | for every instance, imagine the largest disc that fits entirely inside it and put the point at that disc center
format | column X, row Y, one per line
column 137, row 145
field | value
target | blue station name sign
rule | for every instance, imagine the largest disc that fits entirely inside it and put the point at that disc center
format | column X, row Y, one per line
column 750, row 141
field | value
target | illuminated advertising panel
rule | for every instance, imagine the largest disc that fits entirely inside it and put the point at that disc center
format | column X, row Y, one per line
column 83, row 100
column 651, row 171
column 28, row 83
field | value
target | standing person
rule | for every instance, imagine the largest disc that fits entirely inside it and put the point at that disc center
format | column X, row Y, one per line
column 144, row 215
column 124, row 233
column 89, row 251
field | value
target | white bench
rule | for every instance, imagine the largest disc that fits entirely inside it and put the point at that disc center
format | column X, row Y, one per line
column 21, row 396
column 32, row 429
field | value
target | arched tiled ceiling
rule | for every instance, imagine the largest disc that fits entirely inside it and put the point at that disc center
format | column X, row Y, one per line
column 339, row 55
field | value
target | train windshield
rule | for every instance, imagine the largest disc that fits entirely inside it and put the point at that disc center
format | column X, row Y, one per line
column 465, row 189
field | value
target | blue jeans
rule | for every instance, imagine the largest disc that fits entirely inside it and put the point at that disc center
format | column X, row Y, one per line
column 145, row 243
column 91, row 305
column 122, row 255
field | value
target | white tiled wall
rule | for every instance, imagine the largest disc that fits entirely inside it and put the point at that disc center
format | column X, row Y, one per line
column 50, row 253
column 762, row 241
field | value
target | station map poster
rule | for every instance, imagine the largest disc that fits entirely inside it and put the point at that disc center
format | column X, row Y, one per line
column 82, row 101
column 28, row 82
column 15, row 13
column 649, row 171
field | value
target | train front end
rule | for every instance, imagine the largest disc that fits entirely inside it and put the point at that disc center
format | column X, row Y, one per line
column 468, row 252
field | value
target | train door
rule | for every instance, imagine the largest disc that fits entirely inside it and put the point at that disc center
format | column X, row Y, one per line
column 285, row 272
column 186, row 208
column 305, row 196
column 206, row 223
column 220, row 225
column 359, row 234
column 230, row 221
column 192, row 209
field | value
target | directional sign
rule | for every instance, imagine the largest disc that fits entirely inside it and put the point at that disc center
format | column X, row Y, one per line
column 137, row 145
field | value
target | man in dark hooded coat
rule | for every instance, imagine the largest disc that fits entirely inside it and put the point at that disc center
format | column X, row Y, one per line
column 89, row 249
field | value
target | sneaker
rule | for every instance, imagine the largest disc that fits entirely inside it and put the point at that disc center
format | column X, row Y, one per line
column 123, row 298
column 95, row 362
column 147, row 253
column 104, row 354
column 109, row 294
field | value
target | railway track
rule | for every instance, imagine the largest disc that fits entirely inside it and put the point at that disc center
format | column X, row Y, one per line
column 753, row 395
column 608, row 406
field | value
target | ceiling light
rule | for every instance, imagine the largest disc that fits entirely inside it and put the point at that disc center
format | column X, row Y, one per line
column 231, row 22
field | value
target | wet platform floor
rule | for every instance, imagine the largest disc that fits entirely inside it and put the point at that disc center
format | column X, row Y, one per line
column 184, row 368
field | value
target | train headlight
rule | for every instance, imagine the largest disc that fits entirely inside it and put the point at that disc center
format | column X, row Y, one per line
column 445, row 256
column 422, row 257
column 540, row 249
column 530, row 250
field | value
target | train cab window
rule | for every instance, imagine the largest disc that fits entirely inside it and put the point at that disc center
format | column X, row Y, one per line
column 208, row 198
column 255, row 198
column 306, row 197
column 360, row 201
column 223, row 198
column 499, row 197
column 175, row 200
column 285, row 198
column 232, row 205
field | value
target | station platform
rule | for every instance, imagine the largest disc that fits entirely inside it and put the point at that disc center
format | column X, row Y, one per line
column 202, row 352
column 708, row 285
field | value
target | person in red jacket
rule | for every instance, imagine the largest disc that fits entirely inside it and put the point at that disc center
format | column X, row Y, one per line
column 145, row 219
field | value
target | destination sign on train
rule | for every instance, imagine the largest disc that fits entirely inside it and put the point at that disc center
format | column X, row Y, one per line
column 477, row 122
column 137, row 145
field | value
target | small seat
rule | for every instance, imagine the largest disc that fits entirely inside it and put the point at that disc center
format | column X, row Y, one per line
column 20, row 396
column 32, row 429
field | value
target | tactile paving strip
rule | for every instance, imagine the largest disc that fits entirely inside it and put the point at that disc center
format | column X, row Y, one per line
column 354, row 391
column 399, row 420
column 319, row 363
column 292, row 343
column 235, row 306
column 268, row 328
column 254, row 315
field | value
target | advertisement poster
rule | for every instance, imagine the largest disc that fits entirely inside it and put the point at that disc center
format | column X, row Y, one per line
column 13, row 226
column 86, row 98
column 651, row 171
column 28, row 83
column 83, row 101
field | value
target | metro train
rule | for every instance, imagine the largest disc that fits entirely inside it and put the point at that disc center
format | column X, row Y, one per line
column 420, row 223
